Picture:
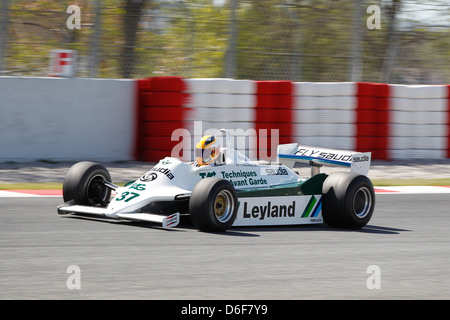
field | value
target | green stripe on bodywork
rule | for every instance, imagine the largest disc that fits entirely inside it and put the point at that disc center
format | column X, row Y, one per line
column 314, row 184
column 284, row 190
column 307, row 187
column 309, row 207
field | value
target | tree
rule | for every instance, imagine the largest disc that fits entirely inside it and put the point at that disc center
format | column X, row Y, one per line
column 392, row 39
column 131, row 18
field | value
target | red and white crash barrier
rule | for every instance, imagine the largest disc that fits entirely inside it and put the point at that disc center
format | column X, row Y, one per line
column 391, row 121
column 147, row 119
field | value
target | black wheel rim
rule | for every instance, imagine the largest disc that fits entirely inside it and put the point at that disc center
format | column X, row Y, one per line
column 97, row 192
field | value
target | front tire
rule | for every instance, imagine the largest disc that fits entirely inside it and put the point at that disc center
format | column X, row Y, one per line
column 213, row 205
column 348, row 200
column 84, row 184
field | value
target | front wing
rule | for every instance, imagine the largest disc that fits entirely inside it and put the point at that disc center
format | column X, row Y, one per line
column 166, row 221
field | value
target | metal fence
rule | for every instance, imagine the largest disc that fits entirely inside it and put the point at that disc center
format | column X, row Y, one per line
column 396, row 41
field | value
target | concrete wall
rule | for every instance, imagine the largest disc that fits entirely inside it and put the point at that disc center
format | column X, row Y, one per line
column 66, row 119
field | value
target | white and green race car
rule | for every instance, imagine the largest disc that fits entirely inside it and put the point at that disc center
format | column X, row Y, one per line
column 234, row 191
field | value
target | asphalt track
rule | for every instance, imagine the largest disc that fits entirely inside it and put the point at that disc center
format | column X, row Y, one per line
column 407, row 240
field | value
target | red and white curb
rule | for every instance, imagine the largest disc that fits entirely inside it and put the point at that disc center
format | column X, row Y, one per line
column 378, row 190
column 30, row 193
column 412, row 190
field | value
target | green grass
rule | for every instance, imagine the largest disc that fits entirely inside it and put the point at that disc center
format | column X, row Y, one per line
column 378, row 183
column 31, row 186
column 411, row 182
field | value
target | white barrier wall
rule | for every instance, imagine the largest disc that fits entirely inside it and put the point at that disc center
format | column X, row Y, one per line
column 221, row 103
column 66, row 119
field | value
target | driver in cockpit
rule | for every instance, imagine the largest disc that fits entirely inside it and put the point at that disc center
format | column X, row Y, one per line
column 207, row 151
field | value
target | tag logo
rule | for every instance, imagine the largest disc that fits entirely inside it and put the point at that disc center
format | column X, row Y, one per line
column 149, row 176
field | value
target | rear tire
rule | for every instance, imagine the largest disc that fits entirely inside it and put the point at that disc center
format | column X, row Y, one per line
column 84, row 184
column 348, row 200
column 213, row 205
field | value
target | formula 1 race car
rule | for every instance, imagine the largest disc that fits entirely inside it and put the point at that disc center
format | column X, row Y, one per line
column 223, row 189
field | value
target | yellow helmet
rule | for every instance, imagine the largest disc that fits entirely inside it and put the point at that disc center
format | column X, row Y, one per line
column 207, row 150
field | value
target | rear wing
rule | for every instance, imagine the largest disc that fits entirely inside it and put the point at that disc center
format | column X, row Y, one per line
column 290, row 154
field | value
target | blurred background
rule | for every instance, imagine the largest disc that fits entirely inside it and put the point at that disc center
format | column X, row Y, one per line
column 297, row 40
